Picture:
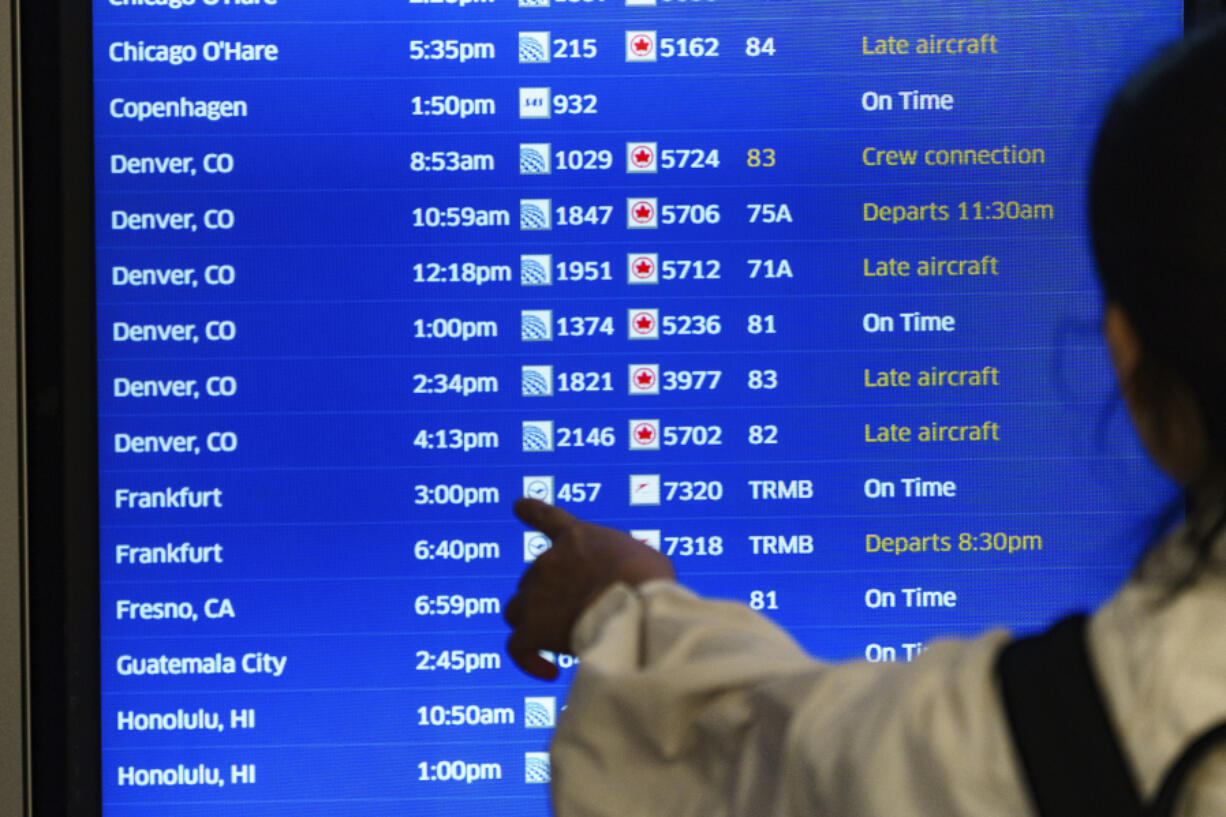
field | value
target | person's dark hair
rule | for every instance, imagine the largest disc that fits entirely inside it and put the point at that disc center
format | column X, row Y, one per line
column 1158, row 223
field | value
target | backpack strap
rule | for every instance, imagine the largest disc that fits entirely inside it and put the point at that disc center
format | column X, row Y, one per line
column 1168, row 793
column 1063, row 734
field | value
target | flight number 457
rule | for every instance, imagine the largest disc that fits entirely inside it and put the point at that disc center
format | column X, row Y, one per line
column 578, row 492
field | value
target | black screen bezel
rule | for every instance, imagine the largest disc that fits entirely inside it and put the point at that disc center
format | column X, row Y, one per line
column 56, row 163
column 55, row 44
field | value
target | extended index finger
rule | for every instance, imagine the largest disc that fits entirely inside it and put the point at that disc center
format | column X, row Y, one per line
column 528, row 657
column 548, row 519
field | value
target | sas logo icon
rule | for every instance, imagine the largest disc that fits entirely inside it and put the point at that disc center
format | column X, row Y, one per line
column 536, row 324
column 540, row 713
column 534, row 214
column 534, row 103
column 534, row 46
column 534, row 160
column 537, row 381
column 536, row 767
column 535, row 270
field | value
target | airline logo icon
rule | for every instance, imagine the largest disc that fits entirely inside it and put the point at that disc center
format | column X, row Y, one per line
column 641, row 157
column 644, row 324
column 537, row 381
column 535, row 544
column 642, row 214
column 651, row 538
column 644, row 489
column 644, row 435
column 535, row 270
column 538, row 436
column 538, row 487
column 534, row 46
column 536, row 767
column 640, row 46
column 643, row 268
column 644, row 378
column 534, row 103
column 536, row 324
column 535, row 214
column 534, row 160
column 540, row 713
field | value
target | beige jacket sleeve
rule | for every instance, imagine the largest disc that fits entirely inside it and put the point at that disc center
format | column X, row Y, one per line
column 684, row 706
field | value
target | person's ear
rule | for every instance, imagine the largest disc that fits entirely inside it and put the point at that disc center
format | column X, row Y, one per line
column 1173, row 432
column 1125, row 349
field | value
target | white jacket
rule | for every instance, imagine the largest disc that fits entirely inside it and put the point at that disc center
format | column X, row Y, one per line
column 683, row 706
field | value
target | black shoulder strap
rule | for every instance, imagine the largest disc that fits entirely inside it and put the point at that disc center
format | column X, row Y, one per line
column 1172, row 784
column 1063, row 734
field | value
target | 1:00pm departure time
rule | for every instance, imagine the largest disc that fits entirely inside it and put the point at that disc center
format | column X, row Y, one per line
column 458, row 771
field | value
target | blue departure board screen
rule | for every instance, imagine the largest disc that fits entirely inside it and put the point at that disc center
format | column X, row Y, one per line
column 798, row 292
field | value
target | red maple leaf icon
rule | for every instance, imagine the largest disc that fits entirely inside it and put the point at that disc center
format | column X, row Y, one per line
column 643, row 267
column 642, row 212
column 644, row 379
column 644, row 323
column 642, row 156
column 645, row 433
column 641, row 45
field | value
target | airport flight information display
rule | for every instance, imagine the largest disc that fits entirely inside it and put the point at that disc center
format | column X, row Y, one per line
column 797, row 292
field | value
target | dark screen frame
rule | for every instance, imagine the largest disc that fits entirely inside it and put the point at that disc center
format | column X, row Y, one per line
column 55, row 46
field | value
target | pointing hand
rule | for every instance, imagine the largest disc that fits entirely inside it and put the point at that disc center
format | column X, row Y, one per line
column 556, row 589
